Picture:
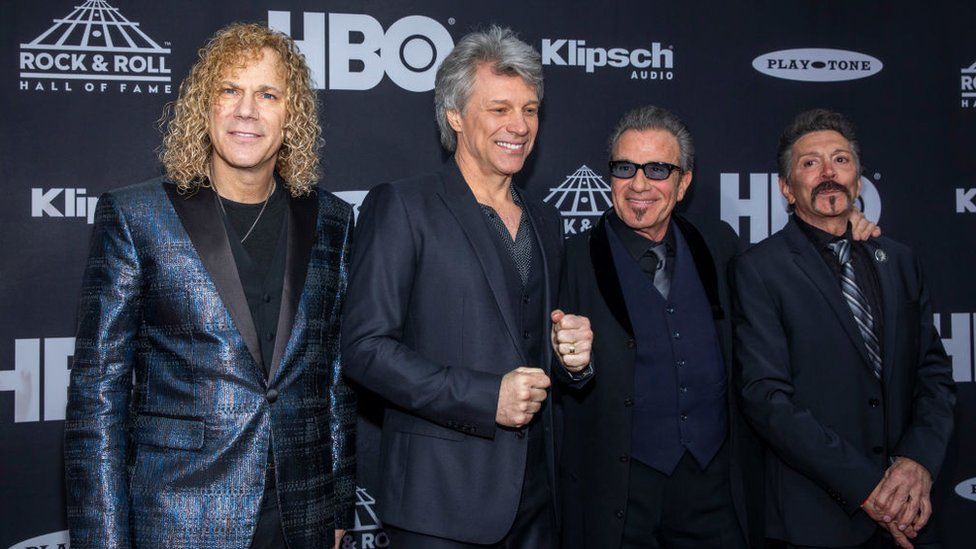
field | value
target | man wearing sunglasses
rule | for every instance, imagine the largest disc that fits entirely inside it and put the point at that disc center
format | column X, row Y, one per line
column 655, row 451
column 655, row 454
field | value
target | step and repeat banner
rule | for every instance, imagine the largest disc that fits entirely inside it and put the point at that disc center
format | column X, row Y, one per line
column 83, row 93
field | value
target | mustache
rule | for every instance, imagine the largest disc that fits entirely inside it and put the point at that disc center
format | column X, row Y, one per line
column 830, row 185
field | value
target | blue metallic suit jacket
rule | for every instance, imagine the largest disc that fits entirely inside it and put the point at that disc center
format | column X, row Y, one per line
column 170, row 412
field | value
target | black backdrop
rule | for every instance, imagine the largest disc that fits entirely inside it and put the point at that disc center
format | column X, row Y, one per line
column 81, row 103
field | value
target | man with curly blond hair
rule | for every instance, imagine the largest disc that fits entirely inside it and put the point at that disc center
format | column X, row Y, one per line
column 206, row 406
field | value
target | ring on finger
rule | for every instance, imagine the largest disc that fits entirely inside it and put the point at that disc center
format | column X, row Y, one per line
column 572, row 349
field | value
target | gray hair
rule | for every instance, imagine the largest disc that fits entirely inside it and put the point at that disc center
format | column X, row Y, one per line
column 497, row 46
column 650, row 117
column 814, row 121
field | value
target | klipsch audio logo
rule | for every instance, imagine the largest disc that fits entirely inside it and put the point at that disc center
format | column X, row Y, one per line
column 360, row 52
column 760, row 207
column 654, row 63
column 581, row 198
column 96, row 49
column 63, row 202
column 967, row 86
column 966, row 200
column 817, row 65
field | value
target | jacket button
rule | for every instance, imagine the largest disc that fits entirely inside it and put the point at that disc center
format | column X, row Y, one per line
column 269, row 336
column 525, row 334
column 670, row 309
column 877, row 449
column 624, row 459
column 520, row 433
column 684, row 389
column 628, row 401
column 266, row 298
column 631, row 343
column 874, row 403
column 271, row 395
column 681, row 362
column 676, row 335
column 684, row 417
column 619, row 514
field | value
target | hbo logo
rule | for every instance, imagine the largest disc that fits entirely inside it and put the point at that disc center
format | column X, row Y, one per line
column 360, row 53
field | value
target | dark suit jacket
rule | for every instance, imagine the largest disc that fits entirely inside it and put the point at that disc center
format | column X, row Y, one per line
column 829, row 425
column 594, row 480
column 179, row 459
column 430, row 327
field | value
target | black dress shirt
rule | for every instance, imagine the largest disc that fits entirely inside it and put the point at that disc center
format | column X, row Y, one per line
column 862, row 261
column 638, row 246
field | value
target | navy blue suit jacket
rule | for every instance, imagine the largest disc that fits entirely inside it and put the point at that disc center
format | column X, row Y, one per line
column 829, row 425
column 430, row 327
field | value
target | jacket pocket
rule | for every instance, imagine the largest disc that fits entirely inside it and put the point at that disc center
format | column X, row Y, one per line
column 428, row 429
column 169, row 432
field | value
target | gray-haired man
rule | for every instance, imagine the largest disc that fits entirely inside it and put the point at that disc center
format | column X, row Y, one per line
column 449, row 313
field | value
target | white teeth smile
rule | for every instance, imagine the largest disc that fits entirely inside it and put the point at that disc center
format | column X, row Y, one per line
column 510, row 146
column 245, row 134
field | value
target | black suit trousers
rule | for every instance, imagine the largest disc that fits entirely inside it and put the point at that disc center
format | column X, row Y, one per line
column 690, row 508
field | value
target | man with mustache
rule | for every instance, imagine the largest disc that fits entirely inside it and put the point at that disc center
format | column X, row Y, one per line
column 840, row 368
column 450, row 313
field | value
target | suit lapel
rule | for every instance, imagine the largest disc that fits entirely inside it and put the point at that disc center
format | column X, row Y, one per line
column 605, row 270
column 203, row 223
column 461, row 202
column 808, row 259
column 889, row 305
column 302, row 214
column 704, row 264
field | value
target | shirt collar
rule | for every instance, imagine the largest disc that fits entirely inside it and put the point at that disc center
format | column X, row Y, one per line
column 636, row 244
column 820, row 238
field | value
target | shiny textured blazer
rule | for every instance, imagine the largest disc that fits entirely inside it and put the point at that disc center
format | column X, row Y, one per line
column 430, row 327
column 170, row 411
column 829, row 426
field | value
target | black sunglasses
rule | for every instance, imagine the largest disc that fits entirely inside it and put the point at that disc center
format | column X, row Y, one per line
column 658, row 171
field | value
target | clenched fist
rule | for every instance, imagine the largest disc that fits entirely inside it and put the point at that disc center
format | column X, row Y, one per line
column 522, row 393
column 572, row 340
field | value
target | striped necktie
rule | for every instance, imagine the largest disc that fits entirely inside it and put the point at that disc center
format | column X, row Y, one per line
column 857, row 303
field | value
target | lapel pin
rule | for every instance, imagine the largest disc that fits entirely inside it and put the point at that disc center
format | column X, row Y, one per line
column 880, row 255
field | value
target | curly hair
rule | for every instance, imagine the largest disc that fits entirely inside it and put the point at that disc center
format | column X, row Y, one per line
column 186, row 149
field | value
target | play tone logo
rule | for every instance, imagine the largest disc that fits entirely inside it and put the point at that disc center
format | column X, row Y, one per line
column 581, row 199
column 95, row 49
column 817, row 65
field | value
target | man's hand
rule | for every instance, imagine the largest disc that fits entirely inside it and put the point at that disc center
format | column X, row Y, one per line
column 861, row 227
column 339, row 534
column 572, row 340
column 901, row 538
column 521, row 395
column 902, row 497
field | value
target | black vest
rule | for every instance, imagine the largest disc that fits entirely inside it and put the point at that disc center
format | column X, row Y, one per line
column 680, row 400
